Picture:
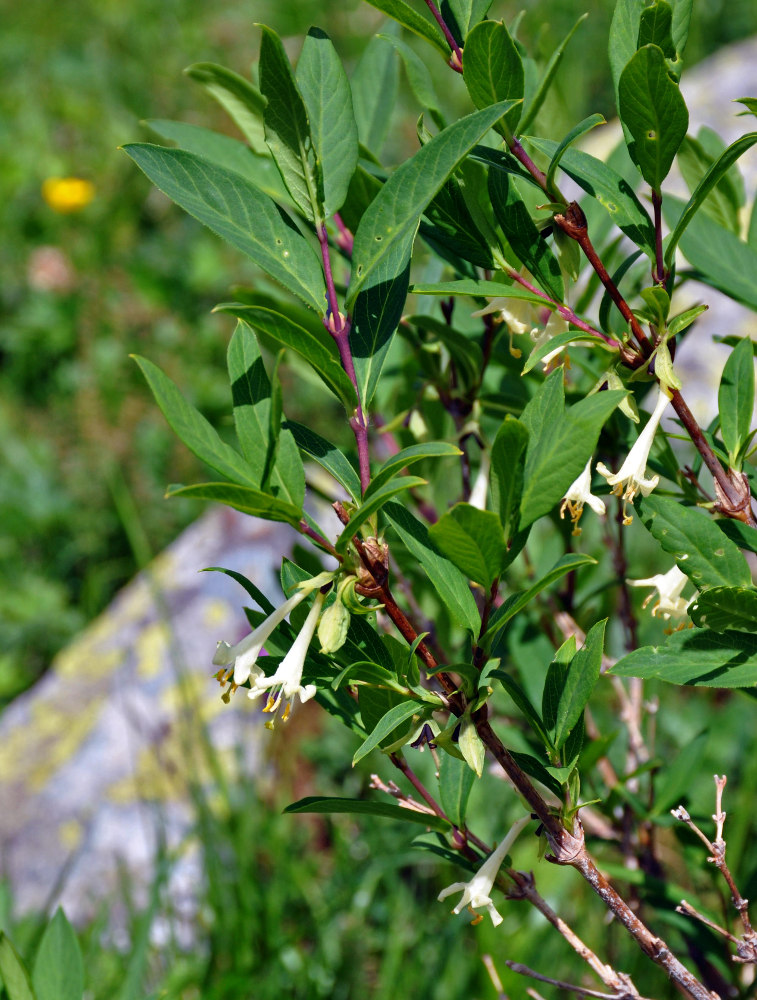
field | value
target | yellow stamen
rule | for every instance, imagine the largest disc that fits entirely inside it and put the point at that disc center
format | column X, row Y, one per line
column 287, row 710
column 270, row 705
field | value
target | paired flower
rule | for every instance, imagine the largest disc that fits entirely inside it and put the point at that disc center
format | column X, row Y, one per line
column 668, row 587
column 477, row 892
column 630, row 478
column 238, row 662
column 578, row 494
column 521, row 317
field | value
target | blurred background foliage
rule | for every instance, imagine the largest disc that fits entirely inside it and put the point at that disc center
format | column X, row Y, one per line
column 85, row 456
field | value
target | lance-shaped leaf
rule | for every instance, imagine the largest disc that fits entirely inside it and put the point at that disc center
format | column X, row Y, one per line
column 472, row 539
column 225, row 152
column 652, row 108
column 724, row 608
column 522, row 234
column 287, row 128
column 374, row 503
column 575, row 133
column 58, row 968
column 736, row 400
column 702, row 552
column 714, row 175
column 582, row 676
column 273, row 456
column 516, row 602
column 414, row 21
column 318, row 350
column 508, row 455
column 449, row 583
column 696, row 656
column 478, row 288
column 376, row 314
column 13, row 972
column 240, row 213
column 242, row 101
column 193, row 429
column 463, row 15
column 384, row 239
column 327, row 455
column 534, row 103
column 493, row 69
column 407, row 457
column 243, row 498
column 375, row 85
column 326, row 92
column 564, row 340
column 611, row 190
column 560, row 443
column 388, row 723
column 455, row 785
column 322, row 804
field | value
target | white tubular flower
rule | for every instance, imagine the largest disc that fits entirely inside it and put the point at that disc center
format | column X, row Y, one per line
column 287, row 681
column 578, row 494
column 476, row 893
column 556, row 325
column 242, row 657
column 630, row 480
column 480, row 489
column 668, row 587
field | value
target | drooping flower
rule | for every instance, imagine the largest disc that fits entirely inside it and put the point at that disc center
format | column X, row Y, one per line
column 555, row 325
column 240, row 659
column 668, row 587
column 477, row 892
column 287, row 681
column 67, row 194
column 578, row 494
column 630, row 478
column 519, row 315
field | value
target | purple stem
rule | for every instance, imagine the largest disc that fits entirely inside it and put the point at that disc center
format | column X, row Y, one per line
column 339, row 328
column 447, row 33
column 565, row 311
column 519, row 153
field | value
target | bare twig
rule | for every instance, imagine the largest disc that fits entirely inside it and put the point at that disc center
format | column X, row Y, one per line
column 523, row 970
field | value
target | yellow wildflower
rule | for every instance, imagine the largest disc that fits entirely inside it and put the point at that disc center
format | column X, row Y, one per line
column 67, row 194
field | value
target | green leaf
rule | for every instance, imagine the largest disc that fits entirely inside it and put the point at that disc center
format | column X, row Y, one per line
column 471, row 746
column 388, row 723
column 319, row 351
column 463, row 15
column 702, row 552
column 714, row 175
column 240, row 213
column 452, row 227
column 449, row 583
column 244, row 498
column 583, row 675
column 653, row 110
column 58, row 968
column 455, row 784
column 287, row 128
column 736, row 400
column 516, row 602
column 13, row 972
column 375, row 85
column 656, row 27
column 698, row 657
column 251, row 396
column 409, row 18
column 375, row 316
column 493, row 70
column 192, row 428
column 725, row 199
column 324, row 804
column 560, row 443
column 535, row 769
column 384, row 239
column 225, row 152
column 563, row 340
column 742, row 534
column 533, row 105
column 407, row 457
column 508, row 455
column 612, row 192
column 369, row 507
column 255, row 593
column 726, row 608
column 522, row 234
column 327, row 455
column 367, row 672
column 326, row 92
column 241, row 100
column 472, row 539
column 719, row 257
column 521, row 699
column 674, row 782
column 625, row 31
column 554, row 681
column 575, row 133
column 478, row 289
column 418, row 76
